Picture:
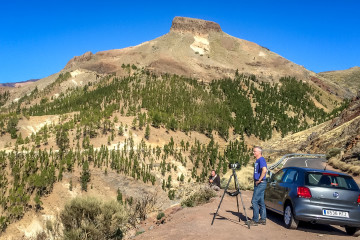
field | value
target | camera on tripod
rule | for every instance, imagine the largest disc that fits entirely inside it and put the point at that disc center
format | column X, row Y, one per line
column 234, row 165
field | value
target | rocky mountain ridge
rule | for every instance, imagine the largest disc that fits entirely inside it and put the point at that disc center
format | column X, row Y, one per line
column 194, row 26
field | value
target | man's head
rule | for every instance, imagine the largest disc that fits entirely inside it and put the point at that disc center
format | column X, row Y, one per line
column 257, row 151
column 213, row 173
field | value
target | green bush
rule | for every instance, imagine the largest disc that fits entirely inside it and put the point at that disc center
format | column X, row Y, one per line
column 90, row 218
column 160, row 215
column 333, row 152
column 199, row 197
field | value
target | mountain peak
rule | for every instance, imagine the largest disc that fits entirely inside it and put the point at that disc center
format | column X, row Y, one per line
column 194, row 26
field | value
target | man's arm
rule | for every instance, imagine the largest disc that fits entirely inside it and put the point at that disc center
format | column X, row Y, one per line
column 263, row 173
column 217, row 181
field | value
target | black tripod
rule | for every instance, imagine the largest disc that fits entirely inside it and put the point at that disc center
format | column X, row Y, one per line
column 233, row 194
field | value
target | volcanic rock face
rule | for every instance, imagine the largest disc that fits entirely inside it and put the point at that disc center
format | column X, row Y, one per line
column 78, row 59
column 194, row 26
column 199, row 49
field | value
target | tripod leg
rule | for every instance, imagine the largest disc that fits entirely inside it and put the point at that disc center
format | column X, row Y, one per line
column 221, row 200
column 237, row 198
column 242, row 202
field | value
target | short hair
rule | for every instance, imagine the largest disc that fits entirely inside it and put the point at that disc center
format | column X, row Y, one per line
column 213, row 170
column 259, row 148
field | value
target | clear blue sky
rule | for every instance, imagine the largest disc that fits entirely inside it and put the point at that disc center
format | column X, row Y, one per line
column 38, row 38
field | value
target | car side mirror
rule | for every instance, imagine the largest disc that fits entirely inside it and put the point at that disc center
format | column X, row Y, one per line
column 270, row 178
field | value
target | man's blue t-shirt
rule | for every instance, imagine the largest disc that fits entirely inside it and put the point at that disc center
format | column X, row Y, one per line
column 259, row 164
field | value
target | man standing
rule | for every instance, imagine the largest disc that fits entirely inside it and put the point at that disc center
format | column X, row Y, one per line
column 214, row 181
column 260, row 169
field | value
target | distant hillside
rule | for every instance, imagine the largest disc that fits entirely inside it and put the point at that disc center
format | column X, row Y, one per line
column 349, row 80
column 18, row 84
column 339, row 138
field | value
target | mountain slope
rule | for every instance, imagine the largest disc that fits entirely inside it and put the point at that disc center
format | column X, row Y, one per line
column 349, row 80
column 193, row 48
column 339, row 138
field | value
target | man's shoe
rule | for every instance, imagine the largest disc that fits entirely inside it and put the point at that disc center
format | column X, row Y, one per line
column 262, row 221
column 252, row 223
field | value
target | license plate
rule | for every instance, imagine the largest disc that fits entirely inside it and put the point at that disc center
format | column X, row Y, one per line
column 335, row 213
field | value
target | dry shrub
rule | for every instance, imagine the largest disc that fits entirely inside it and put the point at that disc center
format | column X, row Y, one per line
column 334, row 162
column 90, row 218
column 333, row 152
column 345, row 167
column 199, row 197
column 356, row 170
column 142, row 208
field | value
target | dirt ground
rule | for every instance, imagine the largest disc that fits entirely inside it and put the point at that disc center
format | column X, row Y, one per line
column 195, row 223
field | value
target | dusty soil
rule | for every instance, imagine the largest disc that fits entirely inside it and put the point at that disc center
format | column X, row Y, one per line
column 195, row 223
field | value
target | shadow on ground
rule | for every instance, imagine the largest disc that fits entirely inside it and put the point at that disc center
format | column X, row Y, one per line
column 308, row 227
column 322, row 229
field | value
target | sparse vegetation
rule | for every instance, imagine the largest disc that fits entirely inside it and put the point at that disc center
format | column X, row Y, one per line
column 333, row 152
column 160, row 215
column 243, row 104
column 90, row 218
column 199, row 197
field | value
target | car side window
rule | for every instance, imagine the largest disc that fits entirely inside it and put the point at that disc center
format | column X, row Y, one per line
column 278, row 176
column 290, row 176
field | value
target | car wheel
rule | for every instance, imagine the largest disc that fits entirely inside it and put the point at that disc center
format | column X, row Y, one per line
column 289, row 220
column 352, row 231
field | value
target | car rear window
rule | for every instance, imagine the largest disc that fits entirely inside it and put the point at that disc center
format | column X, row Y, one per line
column 330, row 181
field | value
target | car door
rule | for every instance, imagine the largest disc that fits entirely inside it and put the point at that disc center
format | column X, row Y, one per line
column 271, row 186
column 282, row 188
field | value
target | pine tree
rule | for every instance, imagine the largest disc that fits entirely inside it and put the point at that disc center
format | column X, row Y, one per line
column 62, row 140
column 85, row 176
column 147, row 132
column 119, row 197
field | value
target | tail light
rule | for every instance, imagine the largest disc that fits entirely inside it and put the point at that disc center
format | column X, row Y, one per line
column 358, row 199
column 331, row 174
column 304, row 192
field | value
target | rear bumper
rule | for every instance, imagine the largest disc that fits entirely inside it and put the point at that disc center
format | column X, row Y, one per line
column 304, row 210
column 326, row 220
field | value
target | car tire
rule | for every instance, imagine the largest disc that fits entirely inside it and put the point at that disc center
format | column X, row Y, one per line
column 289, row 220
column 352, row 231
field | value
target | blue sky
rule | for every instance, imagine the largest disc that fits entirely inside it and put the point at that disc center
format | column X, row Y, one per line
column 38, row 38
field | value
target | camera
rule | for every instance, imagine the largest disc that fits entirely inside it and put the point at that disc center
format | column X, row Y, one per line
column 234, row 165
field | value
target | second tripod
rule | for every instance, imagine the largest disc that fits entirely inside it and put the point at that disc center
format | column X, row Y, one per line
column 238, row 192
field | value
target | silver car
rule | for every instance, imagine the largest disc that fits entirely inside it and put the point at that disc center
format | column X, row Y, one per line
column 313, row 195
